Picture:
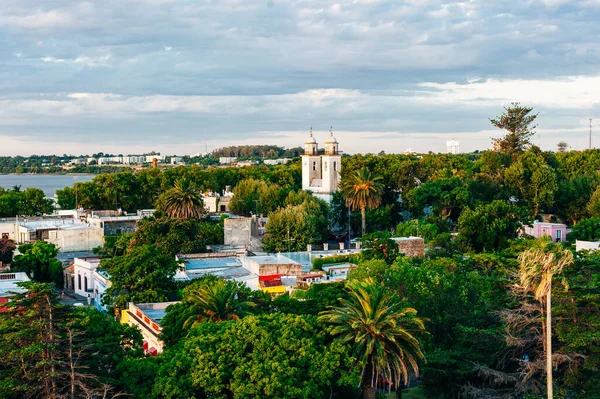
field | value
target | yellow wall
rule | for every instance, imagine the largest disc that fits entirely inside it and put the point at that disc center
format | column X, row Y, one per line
column 280, row 289
column 125, row 317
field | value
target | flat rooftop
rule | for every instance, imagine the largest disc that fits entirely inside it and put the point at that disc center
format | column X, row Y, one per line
column 211, row 263
column 278, row 259
column 155, row 311
column 305, row 258
column 8, row 283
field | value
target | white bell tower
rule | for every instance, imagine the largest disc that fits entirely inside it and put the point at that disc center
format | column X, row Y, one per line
column 332, row 165
column 311, row 163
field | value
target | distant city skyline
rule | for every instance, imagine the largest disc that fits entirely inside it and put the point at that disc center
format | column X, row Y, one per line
column 132, row 76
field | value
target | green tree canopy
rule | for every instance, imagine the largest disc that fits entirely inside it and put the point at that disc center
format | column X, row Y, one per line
column 182, row 201
column 489, row 227
column 252, row 196
column 517, row 122
column 383, row 337
column 144, row 274
column 270, row 356
column 39, row 261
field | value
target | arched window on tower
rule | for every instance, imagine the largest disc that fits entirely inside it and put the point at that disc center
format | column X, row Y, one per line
column 314, row 166
column 334, row 166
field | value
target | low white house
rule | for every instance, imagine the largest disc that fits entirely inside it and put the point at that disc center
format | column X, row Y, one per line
column 101, row 283
column 83, row 271
column 581, row 245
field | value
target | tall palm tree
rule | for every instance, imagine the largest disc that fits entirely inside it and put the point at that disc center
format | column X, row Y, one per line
column 215, row 301
column 362, row 190
column 539, row 265
column 381, row 335
column 183, row 200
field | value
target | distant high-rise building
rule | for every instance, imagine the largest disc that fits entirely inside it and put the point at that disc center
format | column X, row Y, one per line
column 452, row 147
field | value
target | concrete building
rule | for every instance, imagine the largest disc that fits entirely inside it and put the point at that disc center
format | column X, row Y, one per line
column 176, row 160
column 9, row 228
column 321, row 171
column 452, row 147
column 159, row 158
column 248, row 232
column 112, row 225
column 413, row 247
column 147, row 317
column 8, row 286
column 217, row 203
column 338, row 272
column 227, row 160
column 557, row 231
column 134, row 159
column 83, row 275
column 278, row 161
column 68, row 234
column 269, row 265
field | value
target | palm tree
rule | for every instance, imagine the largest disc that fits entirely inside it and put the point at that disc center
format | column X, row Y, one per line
column 362, row 190
column 381, row 335
column 215, row 301
column 183, row 200
column 539, row 265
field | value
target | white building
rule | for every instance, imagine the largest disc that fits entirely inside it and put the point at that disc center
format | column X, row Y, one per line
column 581, row 245
column 69, row 235
column 8, row 285
column 159, row 158
column 134, row 159
column 176, row 160
column 101, row 283
column 227, row 160
column 321, row 172
column 83, row 270
column 453, row 147
column 278, row 161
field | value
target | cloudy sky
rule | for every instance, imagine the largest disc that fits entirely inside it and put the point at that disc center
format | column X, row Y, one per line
column 128, row 76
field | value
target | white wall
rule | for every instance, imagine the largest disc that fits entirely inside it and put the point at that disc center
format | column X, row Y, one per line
column 84, row 269
column 587, row 245
column 71, row 240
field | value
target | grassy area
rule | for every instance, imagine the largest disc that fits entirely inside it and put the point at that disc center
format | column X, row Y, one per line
column 412, row 393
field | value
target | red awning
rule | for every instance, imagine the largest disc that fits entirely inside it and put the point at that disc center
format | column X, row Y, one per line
column 152, row 351
column 145, row 346
column 270, row 277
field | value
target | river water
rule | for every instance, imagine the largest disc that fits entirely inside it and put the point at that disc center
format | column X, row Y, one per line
column 48, row 183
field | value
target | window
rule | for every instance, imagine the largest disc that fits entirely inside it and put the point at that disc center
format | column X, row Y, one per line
column 558, row 235
column 222, row 208
column 85, row 283
column 314, row 166
column 5, row 236
column 79, row 281
column 334, row 166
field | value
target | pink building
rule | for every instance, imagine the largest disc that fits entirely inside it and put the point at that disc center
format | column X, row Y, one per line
column 556, row 231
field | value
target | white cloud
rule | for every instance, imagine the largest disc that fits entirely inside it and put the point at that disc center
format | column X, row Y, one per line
column 569, row 92
column 37, row 19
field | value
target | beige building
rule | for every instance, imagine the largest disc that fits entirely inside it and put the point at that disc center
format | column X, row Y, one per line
column 69, row 235
column 321, row 170
column 413, row 247
column 147, row 317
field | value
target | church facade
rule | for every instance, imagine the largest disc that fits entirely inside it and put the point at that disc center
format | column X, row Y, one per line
column 321, row 168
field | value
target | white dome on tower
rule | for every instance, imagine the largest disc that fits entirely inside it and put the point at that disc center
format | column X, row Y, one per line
column 311, row 139
column 331, row 138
